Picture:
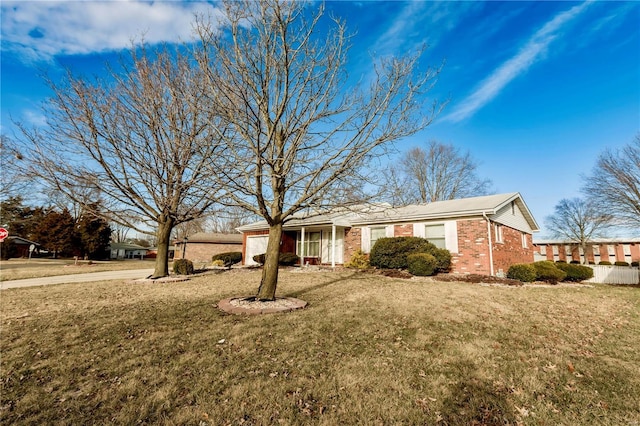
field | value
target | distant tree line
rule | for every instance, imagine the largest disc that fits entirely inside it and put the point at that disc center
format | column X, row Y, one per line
column 56, row 229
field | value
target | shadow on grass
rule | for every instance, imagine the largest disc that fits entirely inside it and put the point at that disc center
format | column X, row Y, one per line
column 352, row 276
column 476, row 401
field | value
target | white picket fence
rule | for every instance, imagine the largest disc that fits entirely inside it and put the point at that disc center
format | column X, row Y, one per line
column 606, row 274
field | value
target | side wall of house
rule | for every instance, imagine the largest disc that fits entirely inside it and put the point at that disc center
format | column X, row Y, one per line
column 473, row 248
column 202, row 252
column 511, row 250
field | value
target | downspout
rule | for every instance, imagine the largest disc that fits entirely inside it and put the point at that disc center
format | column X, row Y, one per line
column 484, row 214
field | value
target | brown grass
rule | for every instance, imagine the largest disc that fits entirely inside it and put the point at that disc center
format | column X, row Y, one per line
column 17, row 269
column 367, row 350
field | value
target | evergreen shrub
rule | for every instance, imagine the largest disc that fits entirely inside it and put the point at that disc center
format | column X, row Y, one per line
column 576, row 273
column 228, row 258
column 548, row 272
column 284, row 259
column 604, row 262
column 183, row 267
column 391, row 253
column 359, row 260
column 421, row 264
column 524, row 272
column 620, row 263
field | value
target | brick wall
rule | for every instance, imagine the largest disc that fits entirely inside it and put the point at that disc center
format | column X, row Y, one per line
column 405, row 230
column 473, row 248
column 202, row 252
column 352, row 242
column 511, row 251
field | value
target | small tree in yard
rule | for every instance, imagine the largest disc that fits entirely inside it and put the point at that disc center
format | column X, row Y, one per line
column 615, row 184
column 298, row 134
column 139, row 138
column 579, row 221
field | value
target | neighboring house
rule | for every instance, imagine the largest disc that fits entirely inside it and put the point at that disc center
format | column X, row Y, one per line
column 23, row 246
column 152, row 252
column 485, row 235
column 200, row 247
column 598, row 250
column 127, row 251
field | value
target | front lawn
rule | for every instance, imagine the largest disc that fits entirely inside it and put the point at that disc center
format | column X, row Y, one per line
column 368, row 350
column 18, row 269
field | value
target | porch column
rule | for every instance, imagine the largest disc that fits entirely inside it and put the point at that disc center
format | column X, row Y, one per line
column 333, row 246
column 302, row 247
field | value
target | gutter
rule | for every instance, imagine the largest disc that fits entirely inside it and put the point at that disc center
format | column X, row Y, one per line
column 484, row 214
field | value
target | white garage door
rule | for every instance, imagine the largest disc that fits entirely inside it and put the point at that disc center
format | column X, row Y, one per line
column 255, row 245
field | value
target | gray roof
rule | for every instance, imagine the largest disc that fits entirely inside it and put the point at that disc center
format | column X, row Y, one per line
column 383, row 213
column 126, row 246
column 213, row 238
column 473, row 206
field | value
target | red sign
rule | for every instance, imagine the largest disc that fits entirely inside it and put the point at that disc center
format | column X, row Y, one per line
column 3, row 234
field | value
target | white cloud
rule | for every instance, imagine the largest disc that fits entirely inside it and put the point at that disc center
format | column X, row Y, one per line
column 532, row 51
column 422, row 22
column 40, row 30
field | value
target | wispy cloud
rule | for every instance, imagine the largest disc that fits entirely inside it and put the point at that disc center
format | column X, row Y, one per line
column 531, row 52
column 421, row 22
column 40, row 30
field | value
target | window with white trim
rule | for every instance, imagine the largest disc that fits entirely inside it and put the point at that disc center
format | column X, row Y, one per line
column 435, row 235
column 377, row 233
column 311, row 244
column 543, row 249
column 498, row 232
column 525, row 244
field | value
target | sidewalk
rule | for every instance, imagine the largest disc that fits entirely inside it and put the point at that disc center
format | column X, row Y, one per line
column 131, row 274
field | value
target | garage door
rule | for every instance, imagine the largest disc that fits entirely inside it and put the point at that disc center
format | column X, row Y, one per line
column 255, row 245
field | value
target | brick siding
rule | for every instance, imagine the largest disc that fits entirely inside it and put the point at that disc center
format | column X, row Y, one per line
column 473, row 248
column 352, row 242
column 511, row 251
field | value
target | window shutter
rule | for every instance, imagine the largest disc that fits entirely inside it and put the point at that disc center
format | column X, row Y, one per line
column 389, row 231
column 451, row 236
column 365, row 239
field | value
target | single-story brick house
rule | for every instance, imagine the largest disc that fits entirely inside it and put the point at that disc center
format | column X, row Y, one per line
column 485, row 235
column 200, row 247
column 598, row 250
column 127, row 251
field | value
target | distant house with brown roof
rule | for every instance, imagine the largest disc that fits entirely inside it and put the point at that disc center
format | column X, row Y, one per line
column 200, row 247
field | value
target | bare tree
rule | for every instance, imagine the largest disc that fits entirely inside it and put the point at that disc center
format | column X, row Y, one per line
column 13, row 177
column 578, row 221
column 439, row 172
column 614, row 184
column 300, row 133
column 139, row 138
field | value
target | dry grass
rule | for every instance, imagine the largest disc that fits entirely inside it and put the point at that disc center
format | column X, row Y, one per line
column 368, row 350
column 17, row 269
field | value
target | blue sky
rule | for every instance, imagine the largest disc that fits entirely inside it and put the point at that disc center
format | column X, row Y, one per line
column 536, row 90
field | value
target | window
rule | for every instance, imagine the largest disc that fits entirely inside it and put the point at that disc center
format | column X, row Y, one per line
column 543, row 250
column 311, row 244
column 596, row 250
column 524, row 240
column 498, row 232
column 377, row 233
column 435, row 235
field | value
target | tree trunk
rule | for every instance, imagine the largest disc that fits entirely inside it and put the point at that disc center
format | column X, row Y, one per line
column 267, row 290
column 164, row 240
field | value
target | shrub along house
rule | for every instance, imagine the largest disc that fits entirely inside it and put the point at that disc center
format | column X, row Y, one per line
column 485, row 235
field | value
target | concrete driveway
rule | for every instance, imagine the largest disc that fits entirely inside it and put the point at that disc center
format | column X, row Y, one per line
column 131, row 274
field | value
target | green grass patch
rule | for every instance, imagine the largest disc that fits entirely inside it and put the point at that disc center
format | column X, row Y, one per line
column 367, row 350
